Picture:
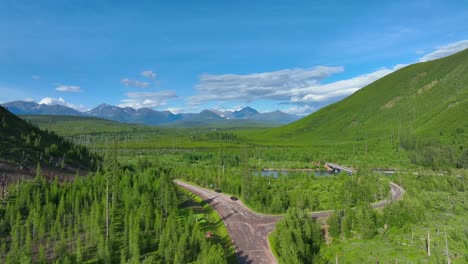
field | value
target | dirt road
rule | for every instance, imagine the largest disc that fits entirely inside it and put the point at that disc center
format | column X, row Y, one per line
column 249, row 230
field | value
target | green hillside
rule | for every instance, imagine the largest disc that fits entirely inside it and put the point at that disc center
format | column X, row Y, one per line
column 24, row 145
column 421, row 104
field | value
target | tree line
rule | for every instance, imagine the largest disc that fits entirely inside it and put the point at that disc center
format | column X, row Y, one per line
column 269, row 194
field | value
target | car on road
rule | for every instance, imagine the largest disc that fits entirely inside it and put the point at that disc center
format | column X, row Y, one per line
column 234, row 198
column 218, row 190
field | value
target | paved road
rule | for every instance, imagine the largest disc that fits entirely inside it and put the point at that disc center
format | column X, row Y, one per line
column 249, row 230
column 397, row 194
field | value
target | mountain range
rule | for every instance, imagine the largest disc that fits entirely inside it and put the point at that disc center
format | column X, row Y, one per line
column 149, row 116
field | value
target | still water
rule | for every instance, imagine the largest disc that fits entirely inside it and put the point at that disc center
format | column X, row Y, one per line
column 277, row 173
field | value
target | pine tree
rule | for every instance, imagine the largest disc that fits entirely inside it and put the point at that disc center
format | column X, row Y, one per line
column 79, row 250
column 42, row 256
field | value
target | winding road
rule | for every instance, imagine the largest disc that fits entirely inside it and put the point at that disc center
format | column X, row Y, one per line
column 249, row 230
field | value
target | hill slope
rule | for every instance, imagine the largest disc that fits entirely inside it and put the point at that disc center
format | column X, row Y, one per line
column 424, row 103
column 421, row 97
column 24, row 145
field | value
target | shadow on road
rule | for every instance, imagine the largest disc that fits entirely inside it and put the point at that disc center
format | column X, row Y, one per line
column 243, row 258
column 209, row 200
column 227, row 216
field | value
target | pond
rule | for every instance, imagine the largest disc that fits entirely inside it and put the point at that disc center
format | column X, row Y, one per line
column 285, row 172
column 277, row 173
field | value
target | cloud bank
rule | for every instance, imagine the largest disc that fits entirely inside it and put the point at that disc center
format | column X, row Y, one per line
column 133, row 83
column 301, row 110
column 147, row 99
column 338, row 89
column 68, row 88
column 301, row 87
column 268, row 85
column 445, row 51
column 149, row 74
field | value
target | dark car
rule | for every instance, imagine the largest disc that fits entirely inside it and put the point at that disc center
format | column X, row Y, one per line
column 234, row 198
column 217, row 190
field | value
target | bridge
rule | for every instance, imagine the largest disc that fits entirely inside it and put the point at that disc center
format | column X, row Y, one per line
column 338, row 168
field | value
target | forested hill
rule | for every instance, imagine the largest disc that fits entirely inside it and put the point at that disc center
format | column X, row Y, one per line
column 421, row 108
column 420, row 103
column 23, row 146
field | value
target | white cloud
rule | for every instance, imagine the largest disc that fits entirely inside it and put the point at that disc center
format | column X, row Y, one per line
column 35, row 77
column 149, row 74
column 302, row 88
column 446, row 50
column 184, row 109
column 338, row 89
column 400, row 66
column 68, row 88
column 267, row 85
column 128, row 82
column 61, row 101
column 147, row 99
column 301, row 110
column 227, row 109
column 53, row 101
column 293, row 86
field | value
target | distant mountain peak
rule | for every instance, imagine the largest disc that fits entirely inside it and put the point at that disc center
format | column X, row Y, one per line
column 245, row 113
column 248, row 109
column 33, row 108
column 102, row 106
column 206, row 111
column 210, row 114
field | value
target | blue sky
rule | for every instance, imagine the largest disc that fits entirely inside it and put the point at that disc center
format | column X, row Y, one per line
column 296, row 56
